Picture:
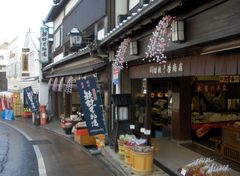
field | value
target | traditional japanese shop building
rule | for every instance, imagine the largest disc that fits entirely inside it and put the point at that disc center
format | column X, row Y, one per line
column 199, row 83
column 74, row 52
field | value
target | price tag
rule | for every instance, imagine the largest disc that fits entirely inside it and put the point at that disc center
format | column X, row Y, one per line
column 142, row 130
column 183, row 172
column 132, row 127
column 147, row 132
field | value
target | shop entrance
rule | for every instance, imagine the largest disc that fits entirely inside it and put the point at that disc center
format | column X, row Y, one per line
column 161, row 101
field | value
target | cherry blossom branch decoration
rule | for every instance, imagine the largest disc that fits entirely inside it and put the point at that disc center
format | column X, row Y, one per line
column 159, row 40
column 120, row 57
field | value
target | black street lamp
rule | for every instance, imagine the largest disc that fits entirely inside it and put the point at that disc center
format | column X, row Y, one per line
column 76, row 38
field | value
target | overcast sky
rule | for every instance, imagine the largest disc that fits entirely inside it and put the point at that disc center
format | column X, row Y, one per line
column 17, row 16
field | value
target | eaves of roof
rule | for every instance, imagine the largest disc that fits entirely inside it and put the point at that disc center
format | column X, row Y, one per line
column 69, row 57
column 80, row 70
column 55, row 11
column 134, row 19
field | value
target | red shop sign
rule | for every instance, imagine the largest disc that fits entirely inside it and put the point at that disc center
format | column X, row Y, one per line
column 211, row 87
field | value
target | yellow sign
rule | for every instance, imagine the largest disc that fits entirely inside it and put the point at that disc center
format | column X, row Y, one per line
column 229, row 79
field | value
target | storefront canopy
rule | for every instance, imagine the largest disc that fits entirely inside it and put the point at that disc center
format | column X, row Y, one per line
column 77, row 71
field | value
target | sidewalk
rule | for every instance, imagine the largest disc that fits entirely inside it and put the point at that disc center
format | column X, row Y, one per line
column 169, row 156
column 110, row 156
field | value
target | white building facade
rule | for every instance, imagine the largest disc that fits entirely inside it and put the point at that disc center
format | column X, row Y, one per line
column 24, row 68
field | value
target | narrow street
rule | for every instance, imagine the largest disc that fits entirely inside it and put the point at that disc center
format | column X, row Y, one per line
column 61, row 155
column 17, row 156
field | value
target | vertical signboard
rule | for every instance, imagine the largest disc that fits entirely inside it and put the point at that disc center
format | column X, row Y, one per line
column 32, row 101
column 115, row 76
column 44, row 45
column 91, row 105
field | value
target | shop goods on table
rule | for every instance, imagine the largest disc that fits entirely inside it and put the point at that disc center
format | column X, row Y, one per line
column 205, row 167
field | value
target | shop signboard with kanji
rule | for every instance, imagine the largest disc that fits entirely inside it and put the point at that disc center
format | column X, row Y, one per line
column 44, row 45
column 211, row 87
column 31, row 99
column 91, row 105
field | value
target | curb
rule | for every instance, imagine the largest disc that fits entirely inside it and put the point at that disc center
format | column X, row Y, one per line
column 114, row 162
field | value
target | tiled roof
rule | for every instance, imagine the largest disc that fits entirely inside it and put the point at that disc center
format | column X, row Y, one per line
column 131, row 19
column 55, row 11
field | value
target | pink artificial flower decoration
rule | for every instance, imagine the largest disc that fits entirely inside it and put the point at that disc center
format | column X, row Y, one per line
column 159, row 40
column 120, row 57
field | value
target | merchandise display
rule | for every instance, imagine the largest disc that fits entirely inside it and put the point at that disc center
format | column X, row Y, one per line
column 205, row 167
column 142, row 148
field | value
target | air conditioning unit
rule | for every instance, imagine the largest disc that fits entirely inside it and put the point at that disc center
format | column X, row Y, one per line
column 120, row 18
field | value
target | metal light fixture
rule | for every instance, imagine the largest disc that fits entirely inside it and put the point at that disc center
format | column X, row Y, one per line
column 144, row 85
column 56, row 1
column 178, row 31
column 76, row 38
column 133, row 47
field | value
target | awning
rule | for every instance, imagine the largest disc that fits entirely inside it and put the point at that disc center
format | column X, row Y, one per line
column 78, row 71
column 68, row 58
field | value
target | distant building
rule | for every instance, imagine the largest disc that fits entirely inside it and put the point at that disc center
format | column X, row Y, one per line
column 3, row 62
column 23, row 67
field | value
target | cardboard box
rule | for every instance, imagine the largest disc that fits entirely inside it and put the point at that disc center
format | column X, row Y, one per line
column 84, row 139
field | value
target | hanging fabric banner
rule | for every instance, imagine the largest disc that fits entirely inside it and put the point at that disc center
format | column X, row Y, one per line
column 55, row 85
column 68, row 88
column 60, row 86
column 50, row 83
column 31, row 99
column 1, row 106
column 91, row 105
column 5, row 103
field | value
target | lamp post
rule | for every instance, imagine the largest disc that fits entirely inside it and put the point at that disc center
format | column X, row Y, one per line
column 76, row 38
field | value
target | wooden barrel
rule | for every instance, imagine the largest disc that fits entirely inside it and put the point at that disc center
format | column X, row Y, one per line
column 142, row 162
column 121, row 149
column 128, row 154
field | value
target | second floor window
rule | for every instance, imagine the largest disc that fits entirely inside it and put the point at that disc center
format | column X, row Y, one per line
column 58, row 38
column 25, row 62
column 100, row 29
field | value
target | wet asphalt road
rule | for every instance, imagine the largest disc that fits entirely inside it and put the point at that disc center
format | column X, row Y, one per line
column 17, row 157
column 62, row 157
